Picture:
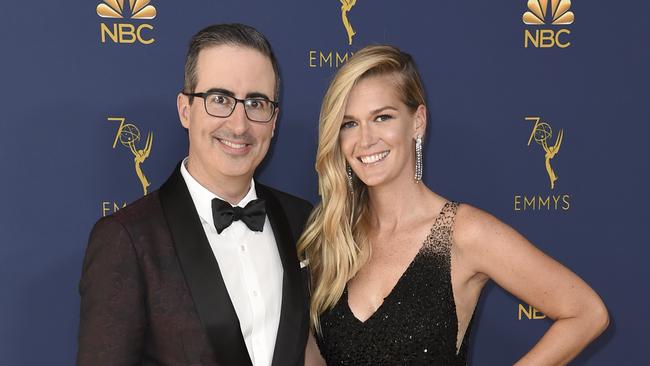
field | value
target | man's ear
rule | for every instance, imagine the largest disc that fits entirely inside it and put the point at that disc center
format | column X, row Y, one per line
column 183, row 106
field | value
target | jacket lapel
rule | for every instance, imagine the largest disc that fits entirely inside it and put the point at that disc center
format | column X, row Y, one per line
column 288, row 341
column 202, row 273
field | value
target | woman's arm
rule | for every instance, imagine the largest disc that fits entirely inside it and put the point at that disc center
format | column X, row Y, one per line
column 312, row 353
column 488, row 246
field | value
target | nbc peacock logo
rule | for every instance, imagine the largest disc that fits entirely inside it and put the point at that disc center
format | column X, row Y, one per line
column 538, row 11
column 544, row 12
column 140, row 9
column 126, row 33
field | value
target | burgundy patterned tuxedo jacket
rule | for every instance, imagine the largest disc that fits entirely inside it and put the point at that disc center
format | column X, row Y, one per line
column 152, row 293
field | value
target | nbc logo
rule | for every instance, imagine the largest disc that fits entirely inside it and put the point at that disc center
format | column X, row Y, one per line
column 544, row 12
column 140, row 9
column 126, row 32
column 560, row 14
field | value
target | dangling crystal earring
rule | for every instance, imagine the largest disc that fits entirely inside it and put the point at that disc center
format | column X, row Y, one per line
column 348, row 170
column 418, row 159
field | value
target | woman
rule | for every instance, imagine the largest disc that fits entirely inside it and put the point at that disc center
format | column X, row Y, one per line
column 397, row 269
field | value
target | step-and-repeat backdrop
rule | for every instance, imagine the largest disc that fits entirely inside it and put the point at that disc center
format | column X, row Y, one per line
column 538, row 114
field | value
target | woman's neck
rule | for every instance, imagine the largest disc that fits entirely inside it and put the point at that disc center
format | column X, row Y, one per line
column 394, row 205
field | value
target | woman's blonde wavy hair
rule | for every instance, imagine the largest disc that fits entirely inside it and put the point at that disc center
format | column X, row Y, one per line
column 335, row 240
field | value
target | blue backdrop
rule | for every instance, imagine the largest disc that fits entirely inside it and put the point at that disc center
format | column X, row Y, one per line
column 500, row 92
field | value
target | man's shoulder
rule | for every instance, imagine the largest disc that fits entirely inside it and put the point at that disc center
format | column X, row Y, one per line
column 140, row 219
column 143, row 210
column 296, row 209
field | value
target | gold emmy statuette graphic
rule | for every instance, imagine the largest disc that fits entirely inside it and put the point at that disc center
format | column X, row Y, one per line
column 538, row 11
column 542, row 131
column 128, row 134
column 346, row 6
column 140, row 9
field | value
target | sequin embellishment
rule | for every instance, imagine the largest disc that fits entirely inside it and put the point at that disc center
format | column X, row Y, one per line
column 417, row 322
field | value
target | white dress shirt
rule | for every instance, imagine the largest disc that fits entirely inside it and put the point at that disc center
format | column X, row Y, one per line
column 251, row 269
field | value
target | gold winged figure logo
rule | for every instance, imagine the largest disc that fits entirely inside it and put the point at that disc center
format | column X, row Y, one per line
column 346, row 6
column 128, row 135
column 541, row 133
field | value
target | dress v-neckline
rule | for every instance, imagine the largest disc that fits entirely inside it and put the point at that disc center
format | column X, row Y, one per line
column 404, row 273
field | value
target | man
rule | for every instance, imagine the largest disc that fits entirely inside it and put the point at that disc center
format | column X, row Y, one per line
column 181, row 277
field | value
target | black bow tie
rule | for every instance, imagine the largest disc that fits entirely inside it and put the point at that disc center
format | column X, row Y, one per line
column 253, row 215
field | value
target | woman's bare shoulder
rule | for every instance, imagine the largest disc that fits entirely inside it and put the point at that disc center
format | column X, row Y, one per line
column 472, row 223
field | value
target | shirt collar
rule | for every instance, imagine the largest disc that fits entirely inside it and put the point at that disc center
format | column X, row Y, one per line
column 203, row 197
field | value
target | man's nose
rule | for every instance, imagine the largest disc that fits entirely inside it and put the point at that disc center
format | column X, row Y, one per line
column 238, row 121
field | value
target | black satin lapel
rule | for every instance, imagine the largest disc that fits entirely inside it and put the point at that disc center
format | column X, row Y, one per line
column 202, row 274
column 288, row 342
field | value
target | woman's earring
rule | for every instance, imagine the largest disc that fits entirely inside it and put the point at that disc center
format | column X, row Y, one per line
column 348, row 170
column 418, row 159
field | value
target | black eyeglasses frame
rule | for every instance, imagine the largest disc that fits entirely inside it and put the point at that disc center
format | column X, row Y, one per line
column 237, row 100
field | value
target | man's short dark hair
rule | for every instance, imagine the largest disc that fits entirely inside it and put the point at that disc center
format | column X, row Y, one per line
column 227, row 34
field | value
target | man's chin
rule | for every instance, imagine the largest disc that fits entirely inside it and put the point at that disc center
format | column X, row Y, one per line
column 236, row 171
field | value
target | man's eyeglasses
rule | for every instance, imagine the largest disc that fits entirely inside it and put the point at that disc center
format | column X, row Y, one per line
column 221, row 105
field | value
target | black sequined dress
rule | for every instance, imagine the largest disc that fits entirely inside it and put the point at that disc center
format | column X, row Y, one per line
column 415, row 325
